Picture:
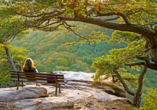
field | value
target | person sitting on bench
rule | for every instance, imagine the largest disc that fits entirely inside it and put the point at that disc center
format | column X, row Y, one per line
column 29, row 67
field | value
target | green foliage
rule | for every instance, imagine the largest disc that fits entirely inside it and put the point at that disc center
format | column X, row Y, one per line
column 150, row 100
column 46, row 48
column 119, row 57
column 10, row 27
column 150, row 80
column 141, row 12
column 18, row 54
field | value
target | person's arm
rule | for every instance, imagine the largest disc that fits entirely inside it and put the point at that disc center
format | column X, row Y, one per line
column 35, row 70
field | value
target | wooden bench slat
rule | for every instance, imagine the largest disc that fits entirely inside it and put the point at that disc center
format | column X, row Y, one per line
column 53, row 79
column 31, row 78
column 20, row 72
column 45, row 79
column 62, row 83
column 33, row 74
column 48, row 77
column 60, row 76
column 39, row 74
column 40, row 81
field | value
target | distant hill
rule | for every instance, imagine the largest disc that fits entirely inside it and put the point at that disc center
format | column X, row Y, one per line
column 47, row 50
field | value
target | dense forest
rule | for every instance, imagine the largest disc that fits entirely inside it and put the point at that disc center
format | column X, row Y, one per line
column 50, row 53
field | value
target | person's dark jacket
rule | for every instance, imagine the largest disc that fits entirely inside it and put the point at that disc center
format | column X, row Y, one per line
column 34, row 70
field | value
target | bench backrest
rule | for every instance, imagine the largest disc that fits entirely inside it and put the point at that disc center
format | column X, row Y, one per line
column 36, row 77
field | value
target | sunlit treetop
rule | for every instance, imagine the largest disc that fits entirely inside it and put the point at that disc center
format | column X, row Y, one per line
column 54, row 12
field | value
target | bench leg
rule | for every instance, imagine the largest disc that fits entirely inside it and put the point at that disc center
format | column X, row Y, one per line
column 56, row 91
column 59, row 88
column 17, row 85
column 22, row 83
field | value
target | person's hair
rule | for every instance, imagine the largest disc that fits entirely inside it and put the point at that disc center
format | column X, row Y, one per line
column 28, row 65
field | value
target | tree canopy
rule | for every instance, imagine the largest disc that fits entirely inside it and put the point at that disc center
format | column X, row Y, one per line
column 137, row 16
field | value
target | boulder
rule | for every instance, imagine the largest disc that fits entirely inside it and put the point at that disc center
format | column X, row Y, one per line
column 114, row 90
column 23, row 93
column 118, row 88
column 103, row 96
column 107, row 89
column 77, row 94
column 120, row 92
column 48, row 103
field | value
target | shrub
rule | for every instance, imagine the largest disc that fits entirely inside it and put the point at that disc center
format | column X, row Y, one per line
column 150, row 100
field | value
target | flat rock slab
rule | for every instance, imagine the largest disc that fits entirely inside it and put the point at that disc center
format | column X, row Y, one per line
column 4, row 90
column 23, row 93
column 82, row 92
column 103, row 96
column 47, row 103
column 76, row 94
column 71, row 75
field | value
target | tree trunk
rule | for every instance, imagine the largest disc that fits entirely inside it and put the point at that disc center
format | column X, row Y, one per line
column 153, row 54
column 9, row 58
column 137, row 96
column 123, row 83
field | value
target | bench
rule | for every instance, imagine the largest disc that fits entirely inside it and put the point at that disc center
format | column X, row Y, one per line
column 51, row 78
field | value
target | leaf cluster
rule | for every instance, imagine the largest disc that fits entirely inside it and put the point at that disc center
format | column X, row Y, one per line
column 150, row 100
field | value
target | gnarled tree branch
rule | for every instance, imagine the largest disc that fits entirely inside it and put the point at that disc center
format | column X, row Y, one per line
column 113, row 13
column 136, row 63
column 123, row 83
column 136, row 100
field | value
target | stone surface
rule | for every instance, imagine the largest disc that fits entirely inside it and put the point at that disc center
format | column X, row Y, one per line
column 80, row 93
column 120, row 92
column 47, row 103
column 71, row 75
column 118, row 88
column 103, row 96
column 77, row 94
column 23, row 93
column 107, row 89
column 4, row 90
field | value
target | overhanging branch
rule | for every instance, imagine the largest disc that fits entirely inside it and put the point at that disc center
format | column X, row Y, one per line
column 113, row 13
column 112, row 19
column 149, row 34
column 136, row 63
column 69, row 28
column 49, row 24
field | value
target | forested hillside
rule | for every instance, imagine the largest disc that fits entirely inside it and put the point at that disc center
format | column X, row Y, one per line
column 47, row 49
